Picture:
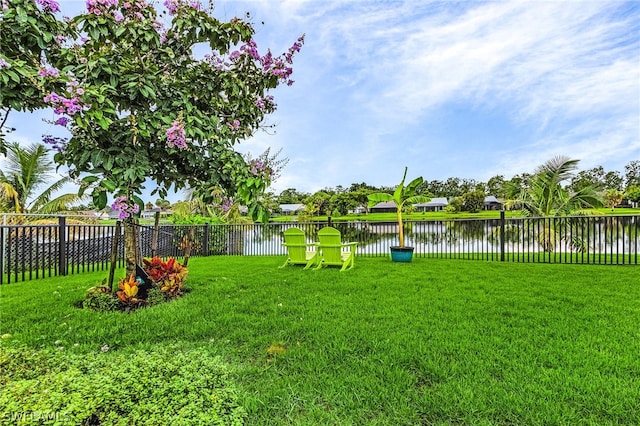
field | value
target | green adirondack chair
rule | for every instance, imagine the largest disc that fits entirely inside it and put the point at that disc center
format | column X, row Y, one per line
column 333, row 252
column 300, row 252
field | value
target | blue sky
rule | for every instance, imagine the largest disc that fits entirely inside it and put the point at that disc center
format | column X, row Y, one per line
column 465, row 89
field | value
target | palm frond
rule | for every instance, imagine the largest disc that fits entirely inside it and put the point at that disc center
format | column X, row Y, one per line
column 45, row 196
column 60, row 203
column 27, row 167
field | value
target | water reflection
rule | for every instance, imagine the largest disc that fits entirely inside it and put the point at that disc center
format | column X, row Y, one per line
column 607, row 234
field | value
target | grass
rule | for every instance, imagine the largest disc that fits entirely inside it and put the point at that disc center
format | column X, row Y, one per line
column 431, row 342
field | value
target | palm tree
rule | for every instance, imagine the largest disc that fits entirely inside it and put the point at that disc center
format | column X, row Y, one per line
column 25, row 170
column 547, row 196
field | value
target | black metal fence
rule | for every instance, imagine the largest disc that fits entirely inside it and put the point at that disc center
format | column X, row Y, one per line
column 36, row 251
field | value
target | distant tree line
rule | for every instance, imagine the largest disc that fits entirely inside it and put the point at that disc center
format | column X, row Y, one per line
column 468, row 194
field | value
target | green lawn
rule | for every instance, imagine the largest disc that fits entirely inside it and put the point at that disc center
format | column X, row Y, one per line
column 431, row 342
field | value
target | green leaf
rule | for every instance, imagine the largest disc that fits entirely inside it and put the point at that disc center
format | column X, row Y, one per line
column 378, row 198
column 110, row 185
column 99, row 199
column 90, row 179
column 108, row 164
column 15, row 77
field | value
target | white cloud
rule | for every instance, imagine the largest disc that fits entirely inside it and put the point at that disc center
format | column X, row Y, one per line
column 571, row 70
column 375, row 79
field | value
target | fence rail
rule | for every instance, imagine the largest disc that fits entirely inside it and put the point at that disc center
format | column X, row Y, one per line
column 37, row 251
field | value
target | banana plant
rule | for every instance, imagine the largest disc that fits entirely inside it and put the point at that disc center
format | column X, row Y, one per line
column 403, row 195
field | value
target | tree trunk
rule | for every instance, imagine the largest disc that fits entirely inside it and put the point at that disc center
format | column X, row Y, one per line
column 400, row 228
column 189, row 243
column 130, row 247
column 114, row 255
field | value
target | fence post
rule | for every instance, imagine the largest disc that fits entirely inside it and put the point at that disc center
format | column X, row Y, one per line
column 3, row 249
column 501, row 235
column 62, row 245
column 114, row 254
column 205, row 240
column 2, row 254
column 154, row 237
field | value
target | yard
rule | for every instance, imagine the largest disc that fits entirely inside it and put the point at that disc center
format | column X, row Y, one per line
column 430, row 342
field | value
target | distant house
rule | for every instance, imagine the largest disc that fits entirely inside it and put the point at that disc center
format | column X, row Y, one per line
column 435, row 205
column 492, row 203
column 99, row 214
column 150, row 214
column 114, row 214
column 291, row 209
column 384, row 207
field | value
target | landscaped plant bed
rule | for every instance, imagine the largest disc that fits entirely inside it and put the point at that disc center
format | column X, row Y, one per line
column 157, row 282
column 434, row 341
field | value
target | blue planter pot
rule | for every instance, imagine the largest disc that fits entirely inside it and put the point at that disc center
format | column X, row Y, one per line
column 401, row 254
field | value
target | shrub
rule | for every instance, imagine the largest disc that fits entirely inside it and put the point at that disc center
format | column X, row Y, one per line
column 169, row 275
column 168, row 283
column 473, row 202
column 454, row 206
column 155, row 296
column 171, row 385
column 128, row 291
column 100, row 298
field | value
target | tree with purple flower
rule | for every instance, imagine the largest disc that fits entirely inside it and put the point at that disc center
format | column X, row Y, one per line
column 141, row 108
column 27, row 50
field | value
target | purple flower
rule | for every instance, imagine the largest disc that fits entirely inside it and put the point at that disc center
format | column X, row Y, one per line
column 176, row 136
column 4, row 64
column 125, row 207
column 259, row 168
column 251, row 49
column 172, row 6
column 62, row 121
column 49, row 5
column 56, row 143
column 225, row 204
column 62, row 105
column 234, row 125
column 48, row 72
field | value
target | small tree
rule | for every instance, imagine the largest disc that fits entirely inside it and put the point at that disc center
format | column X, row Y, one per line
column 473, row 202
column 633, row 194
column 612, row 198
column 141, row 106
column 403, row 195
column 454, row 206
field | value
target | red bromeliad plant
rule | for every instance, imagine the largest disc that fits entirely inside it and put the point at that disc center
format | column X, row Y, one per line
column 169, row 275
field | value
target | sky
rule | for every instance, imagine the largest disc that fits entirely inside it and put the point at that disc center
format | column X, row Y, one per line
column 449, row 89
